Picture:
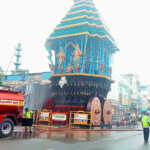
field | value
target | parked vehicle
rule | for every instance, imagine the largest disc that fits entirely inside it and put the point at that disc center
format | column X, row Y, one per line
column 11, row 111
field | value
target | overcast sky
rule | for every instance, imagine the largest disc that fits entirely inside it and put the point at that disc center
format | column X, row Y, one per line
column 31, row 21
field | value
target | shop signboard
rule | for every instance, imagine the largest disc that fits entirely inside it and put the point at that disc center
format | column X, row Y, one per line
column 59, row 117
column 123, row 106
column 81, row 119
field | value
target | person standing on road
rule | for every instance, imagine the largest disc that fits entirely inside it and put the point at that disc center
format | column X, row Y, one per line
column 145, row 125
column 28, row 119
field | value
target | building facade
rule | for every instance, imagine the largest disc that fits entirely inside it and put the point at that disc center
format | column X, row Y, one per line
column 34, row 86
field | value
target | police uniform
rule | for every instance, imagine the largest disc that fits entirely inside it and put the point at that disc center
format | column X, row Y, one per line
column 28, row 121
column 145, row 125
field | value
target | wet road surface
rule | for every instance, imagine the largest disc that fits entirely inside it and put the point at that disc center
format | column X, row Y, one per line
column 75, row 140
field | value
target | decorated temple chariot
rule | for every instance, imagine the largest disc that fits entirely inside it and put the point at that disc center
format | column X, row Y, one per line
column 80, row 57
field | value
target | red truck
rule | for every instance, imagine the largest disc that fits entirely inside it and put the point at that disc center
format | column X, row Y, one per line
column 11, row 111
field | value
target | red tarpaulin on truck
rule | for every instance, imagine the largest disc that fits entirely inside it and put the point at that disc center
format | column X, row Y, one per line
column 8, row 95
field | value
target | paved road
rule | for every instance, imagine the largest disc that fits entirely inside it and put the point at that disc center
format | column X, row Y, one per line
column 75, row 140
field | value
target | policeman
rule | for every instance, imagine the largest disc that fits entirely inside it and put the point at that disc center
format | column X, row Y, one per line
column 145, row 125
column 29, row 119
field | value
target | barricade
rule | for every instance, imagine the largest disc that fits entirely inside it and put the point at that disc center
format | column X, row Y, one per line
column 80, row 118
column 43, row 117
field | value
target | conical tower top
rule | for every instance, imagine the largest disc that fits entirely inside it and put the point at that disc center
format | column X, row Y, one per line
column 77, row 1
column 82, row 16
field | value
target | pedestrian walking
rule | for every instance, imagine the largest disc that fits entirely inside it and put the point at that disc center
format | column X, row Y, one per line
column 145, row 125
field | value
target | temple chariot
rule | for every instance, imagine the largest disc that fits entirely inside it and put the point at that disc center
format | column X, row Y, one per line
column 80, row 57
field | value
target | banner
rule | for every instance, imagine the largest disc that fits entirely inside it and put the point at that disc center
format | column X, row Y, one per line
column 59, row 117
column 11, row 102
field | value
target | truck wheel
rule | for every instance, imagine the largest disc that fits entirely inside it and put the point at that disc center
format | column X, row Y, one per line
column 6, row 127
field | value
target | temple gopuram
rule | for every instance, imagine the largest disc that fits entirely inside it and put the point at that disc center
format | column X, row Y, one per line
column 80, row 54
